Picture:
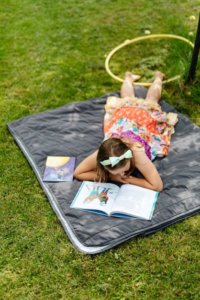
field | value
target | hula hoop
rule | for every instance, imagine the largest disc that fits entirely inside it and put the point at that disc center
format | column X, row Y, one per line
column 151, row 36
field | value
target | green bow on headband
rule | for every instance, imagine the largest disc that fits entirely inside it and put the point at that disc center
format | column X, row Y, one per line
column 114, row 160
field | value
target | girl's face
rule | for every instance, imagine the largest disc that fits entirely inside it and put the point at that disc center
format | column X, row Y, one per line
column 121, row 171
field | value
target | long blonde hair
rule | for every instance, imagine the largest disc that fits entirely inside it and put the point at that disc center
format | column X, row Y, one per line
column 111, row 147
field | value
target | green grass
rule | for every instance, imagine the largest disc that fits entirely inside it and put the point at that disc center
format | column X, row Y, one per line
column 52, row 53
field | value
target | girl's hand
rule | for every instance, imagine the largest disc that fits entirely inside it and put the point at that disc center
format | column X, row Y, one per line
column 117, row 178
column 127, row 179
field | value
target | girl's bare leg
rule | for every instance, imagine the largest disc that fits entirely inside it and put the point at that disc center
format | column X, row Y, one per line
column 155, row 90
column 127, row 89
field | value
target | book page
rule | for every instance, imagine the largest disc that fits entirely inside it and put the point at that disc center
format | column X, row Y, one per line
column 136, row 201
column 95, row 196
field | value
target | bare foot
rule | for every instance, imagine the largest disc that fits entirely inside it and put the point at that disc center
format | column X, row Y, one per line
column 159, row 74
column 132, row 77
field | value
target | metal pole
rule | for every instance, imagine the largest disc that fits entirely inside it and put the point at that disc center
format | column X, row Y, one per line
column 191, row 74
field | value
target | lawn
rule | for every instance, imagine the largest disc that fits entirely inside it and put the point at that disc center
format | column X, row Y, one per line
column 52, row 53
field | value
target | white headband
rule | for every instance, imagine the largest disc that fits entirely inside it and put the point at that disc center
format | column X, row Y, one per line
column 114, row 160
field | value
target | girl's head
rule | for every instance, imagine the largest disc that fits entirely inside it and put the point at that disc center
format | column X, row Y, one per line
column 113, row 157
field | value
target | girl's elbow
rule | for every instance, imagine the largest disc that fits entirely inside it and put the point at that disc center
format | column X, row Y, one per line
column 159, row 187
column 76, row 175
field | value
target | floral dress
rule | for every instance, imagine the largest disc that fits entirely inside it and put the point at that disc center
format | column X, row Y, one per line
column 139, row 120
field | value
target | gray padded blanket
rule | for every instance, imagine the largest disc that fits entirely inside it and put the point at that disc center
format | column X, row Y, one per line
column 76, row 130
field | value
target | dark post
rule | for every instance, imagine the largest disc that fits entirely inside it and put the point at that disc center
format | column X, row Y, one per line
column 195, row 54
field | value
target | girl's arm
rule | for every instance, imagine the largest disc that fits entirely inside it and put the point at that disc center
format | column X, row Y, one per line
column 152, row 179
column 86, row 170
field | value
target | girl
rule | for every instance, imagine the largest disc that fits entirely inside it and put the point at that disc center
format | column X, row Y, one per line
column 136, row 131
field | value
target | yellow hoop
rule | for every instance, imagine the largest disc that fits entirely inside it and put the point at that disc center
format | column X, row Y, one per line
column 151, row 36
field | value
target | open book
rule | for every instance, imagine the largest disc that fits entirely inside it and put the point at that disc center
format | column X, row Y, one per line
column 59, row 168
column 109, row 199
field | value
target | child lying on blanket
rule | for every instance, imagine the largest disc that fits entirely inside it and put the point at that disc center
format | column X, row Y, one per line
column 136, row 131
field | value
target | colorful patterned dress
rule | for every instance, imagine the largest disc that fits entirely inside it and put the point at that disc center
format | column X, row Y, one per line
column 139, row 120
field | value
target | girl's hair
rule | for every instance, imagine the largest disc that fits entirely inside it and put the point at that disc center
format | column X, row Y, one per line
column 110, row 147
